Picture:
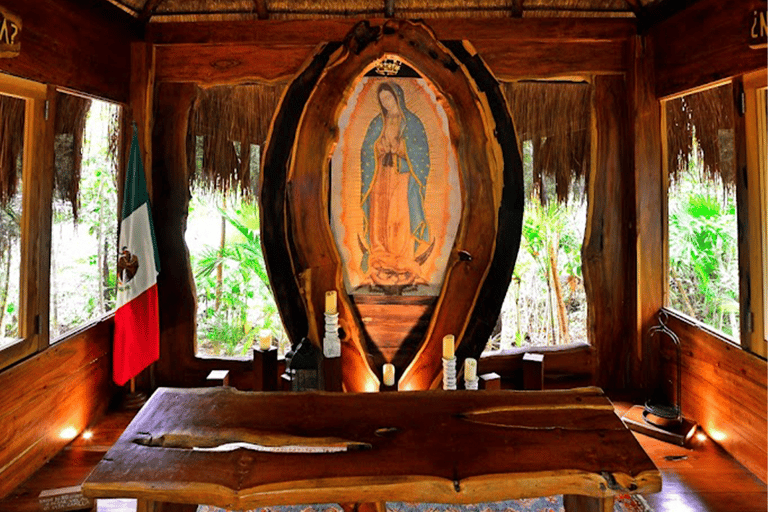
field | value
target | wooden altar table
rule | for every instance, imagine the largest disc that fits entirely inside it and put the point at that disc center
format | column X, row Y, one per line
column 421, row 446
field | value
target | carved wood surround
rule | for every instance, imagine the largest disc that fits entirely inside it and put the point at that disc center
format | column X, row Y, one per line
column 295, row 195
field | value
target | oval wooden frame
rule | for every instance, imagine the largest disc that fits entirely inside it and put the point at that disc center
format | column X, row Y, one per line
column 302, row 259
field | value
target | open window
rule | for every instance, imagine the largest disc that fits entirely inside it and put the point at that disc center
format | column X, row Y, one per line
column 84, row 212
column 716, row 213
column 546, row 304
column 235, row 305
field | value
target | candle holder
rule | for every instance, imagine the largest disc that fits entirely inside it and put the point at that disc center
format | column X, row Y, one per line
column 471, row 384
column 331, row 341
column 449, row 373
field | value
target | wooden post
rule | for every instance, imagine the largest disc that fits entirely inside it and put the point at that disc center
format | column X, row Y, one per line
column 490, row 381
column 265, row 369
column 533, row 371
column 575, row 503
column 332, row 374
column 217, row 378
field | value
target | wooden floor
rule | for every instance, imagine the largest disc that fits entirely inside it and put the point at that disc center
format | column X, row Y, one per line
column 702, row 478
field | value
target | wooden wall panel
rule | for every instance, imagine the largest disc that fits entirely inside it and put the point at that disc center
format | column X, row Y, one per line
column 563, row 366
column 296, row 32
column 82, row 45
column 229, row 64
column 208, row 53
column 724, row 390
column 705, row 43
column 508, row 59
column 66, row 385
column 608, row 252
column 649, row 201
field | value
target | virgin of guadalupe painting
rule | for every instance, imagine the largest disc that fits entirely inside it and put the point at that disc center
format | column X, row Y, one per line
column 395, row 166
column 395, row 202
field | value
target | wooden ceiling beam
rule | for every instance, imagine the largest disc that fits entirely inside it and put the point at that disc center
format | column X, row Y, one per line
column 261, row 9
column 149, row 9
column 303, row 32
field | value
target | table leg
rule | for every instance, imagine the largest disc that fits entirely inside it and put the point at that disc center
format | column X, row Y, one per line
column 156, row 506
column 145, row 506
column 576, row 503
column 378, row 506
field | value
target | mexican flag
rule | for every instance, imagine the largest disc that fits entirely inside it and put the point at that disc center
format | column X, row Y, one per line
column 137, row 328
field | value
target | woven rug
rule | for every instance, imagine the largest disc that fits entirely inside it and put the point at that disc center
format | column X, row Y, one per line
column 622, row 503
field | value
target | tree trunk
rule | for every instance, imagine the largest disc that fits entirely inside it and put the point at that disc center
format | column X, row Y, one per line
column 100, row 253
column 6, row 280
column 220, row 266
column 54, row 322
column 561, row 316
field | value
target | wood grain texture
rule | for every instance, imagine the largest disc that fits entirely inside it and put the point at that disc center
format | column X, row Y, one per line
column 607, row 253
column 744, row 221
column 66, row 385
column 143, row 64
column 649, row 220
column 82, row 45
column 724, row 390
column 393, row 329
column 433, row 455
column 229, row 64
column 232, row 63
column 296, row 32
column 562, row 364
column 684, row 61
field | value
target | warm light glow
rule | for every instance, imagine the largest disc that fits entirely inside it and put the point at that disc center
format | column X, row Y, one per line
column 701, row 436
column 265, row 340
column 717, row 435
column 330, row 302
column 448, row 346
column 68, row 433
column 389, row 374
column 470, row 369
column 87, row 435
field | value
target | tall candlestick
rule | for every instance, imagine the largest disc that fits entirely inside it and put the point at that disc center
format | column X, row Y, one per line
column 470, row 369
column 330, row 302
column 265, row 340
column 389, row 374
column 448, row 346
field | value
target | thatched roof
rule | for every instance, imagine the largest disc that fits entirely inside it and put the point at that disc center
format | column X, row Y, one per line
column 11, row 146
column 71, row 112
column 226, row 121
column 708, row 117
column 195, row 10
column 555, row 117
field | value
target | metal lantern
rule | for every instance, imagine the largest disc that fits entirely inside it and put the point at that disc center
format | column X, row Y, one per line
column 304, row 367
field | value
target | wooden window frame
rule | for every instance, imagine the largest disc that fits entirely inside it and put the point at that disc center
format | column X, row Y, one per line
column 37, row 176
column 751, row 203
column 755, row 85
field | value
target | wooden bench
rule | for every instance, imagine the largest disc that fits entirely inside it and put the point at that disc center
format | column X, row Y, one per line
column 424, row 446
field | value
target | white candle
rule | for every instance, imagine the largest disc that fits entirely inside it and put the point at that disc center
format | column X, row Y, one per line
column 330, row 302
column 389, row 374
column 448, row 343
column 470, row 369
column 265, row 340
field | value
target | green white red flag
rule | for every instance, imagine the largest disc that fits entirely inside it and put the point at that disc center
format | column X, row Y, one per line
column 137, row 327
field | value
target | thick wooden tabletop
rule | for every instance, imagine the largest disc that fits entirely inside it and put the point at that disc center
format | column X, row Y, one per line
column 424, row 446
